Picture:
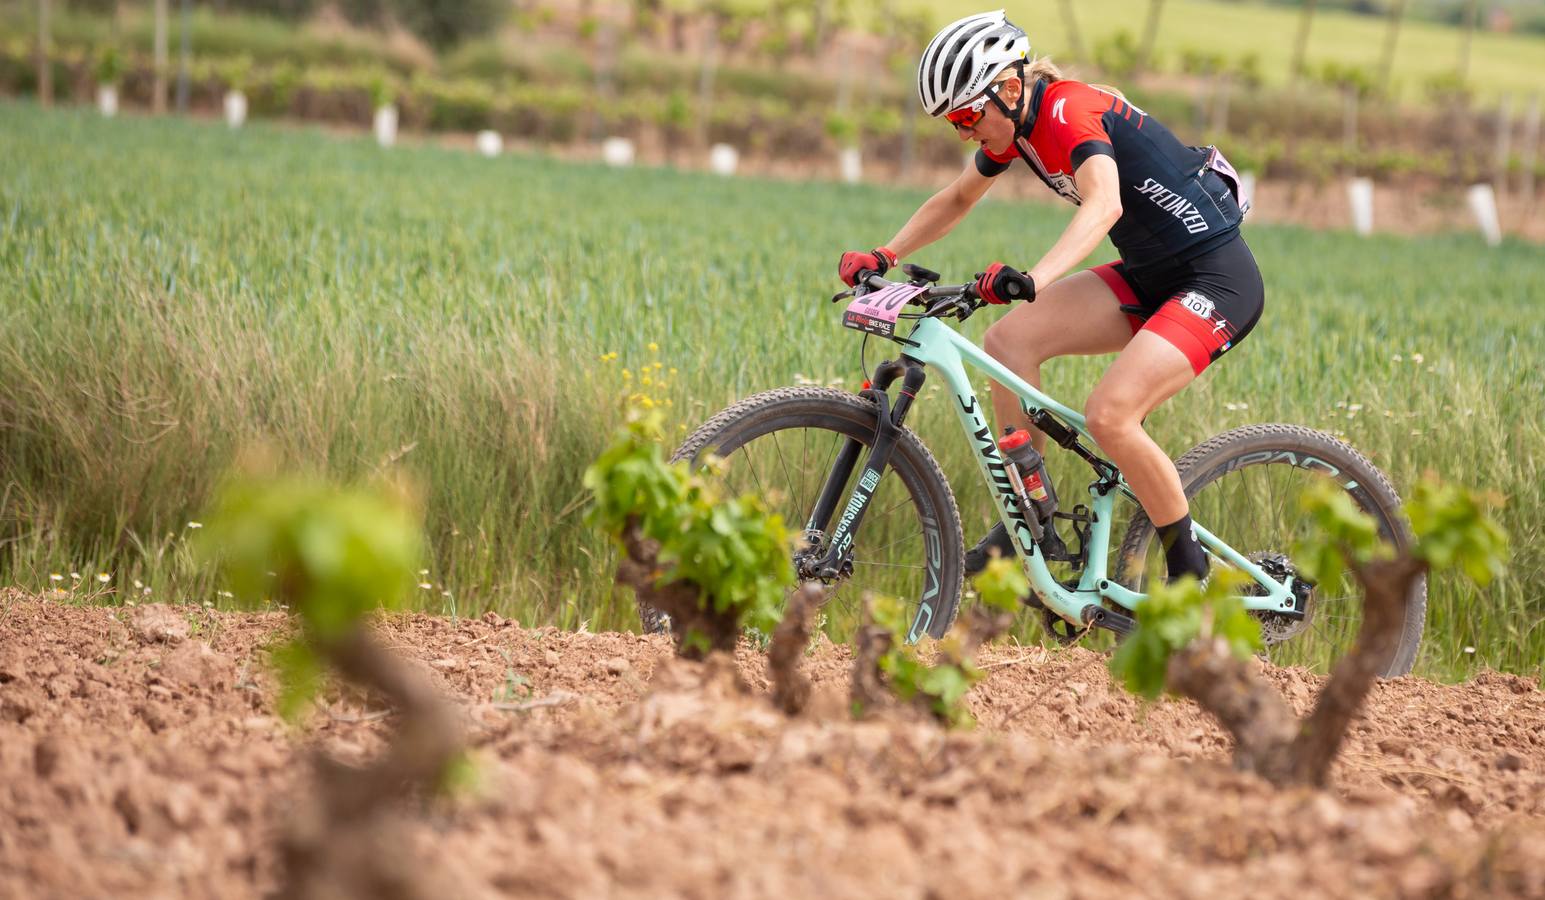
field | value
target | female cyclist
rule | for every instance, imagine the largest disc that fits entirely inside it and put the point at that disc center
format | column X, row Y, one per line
column 1185, row 290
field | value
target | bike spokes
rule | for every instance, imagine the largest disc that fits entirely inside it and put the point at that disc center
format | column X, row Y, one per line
column 792, row 470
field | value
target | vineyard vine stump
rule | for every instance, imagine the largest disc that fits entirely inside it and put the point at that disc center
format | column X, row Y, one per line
column 698, row 631
column 1269, row 739
column 791, row 686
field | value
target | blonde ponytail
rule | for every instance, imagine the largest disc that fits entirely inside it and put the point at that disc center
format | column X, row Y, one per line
column 1039, row 69
column 1042, row 69
column 1109, row 90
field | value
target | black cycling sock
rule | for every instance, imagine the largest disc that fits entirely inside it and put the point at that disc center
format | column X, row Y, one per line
column 1183, row 554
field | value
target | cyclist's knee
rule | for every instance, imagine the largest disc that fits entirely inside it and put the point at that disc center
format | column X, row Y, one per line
column 1110, row 419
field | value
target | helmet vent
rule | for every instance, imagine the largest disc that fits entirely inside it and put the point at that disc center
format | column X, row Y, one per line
column 964, row 57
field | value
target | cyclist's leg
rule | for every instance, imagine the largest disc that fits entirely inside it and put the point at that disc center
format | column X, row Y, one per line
column 1076, row 316
column 1205, row 314
column 1149, row 371
column 1208, row 313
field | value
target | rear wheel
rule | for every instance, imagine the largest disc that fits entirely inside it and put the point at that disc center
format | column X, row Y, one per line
column 1243, row 485
column 782, row 444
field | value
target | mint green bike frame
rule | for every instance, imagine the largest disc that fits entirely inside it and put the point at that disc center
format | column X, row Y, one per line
column 944, row 350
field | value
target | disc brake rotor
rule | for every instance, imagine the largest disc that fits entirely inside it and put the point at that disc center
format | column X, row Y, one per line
column 1278, row 627
column 811, row 554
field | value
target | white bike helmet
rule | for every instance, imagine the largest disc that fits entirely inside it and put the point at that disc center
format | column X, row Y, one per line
column 963, row 59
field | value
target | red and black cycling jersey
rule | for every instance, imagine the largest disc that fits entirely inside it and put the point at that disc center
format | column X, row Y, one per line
column 1172, row 206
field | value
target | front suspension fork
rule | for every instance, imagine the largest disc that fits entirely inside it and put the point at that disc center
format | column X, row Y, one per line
column 889, row 421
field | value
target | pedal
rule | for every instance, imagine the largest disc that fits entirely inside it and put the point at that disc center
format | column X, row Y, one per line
column 1097, row 616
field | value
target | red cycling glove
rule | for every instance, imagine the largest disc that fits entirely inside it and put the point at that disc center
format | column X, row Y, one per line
column 879, row 260
column 1004, row 284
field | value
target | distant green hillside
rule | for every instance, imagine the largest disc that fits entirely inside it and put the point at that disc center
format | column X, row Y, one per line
column 1498, row 63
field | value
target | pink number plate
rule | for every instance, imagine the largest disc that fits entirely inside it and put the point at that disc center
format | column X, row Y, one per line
column 876, row 311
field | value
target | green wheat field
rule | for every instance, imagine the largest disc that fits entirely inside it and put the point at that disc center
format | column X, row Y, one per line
column 172, row 293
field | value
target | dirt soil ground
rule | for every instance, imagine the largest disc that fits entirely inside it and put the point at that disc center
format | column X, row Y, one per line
column 140, row 755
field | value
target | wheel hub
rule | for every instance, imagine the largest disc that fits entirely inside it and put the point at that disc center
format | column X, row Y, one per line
column 811, row 554
column 1278, row 627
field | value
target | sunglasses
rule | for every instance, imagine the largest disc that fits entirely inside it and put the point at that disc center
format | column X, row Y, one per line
column 967, row 116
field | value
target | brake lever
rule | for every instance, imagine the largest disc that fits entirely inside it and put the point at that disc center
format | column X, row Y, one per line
column 862, row 281
column 961, row 307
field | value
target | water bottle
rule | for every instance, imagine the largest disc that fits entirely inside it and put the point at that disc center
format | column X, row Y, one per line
column 1029, row 468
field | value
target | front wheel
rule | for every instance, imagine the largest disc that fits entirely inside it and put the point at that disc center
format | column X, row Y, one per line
column 1243, row 486
column 782, row 444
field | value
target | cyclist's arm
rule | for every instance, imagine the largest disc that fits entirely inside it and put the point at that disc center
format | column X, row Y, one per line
column 940, row 213
column 1100, row 207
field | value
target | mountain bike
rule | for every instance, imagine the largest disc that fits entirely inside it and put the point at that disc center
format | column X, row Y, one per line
column 878, row 514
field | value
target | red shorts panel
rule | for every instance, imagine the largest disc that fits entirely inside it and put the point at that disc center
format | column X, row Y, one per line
column 1122, row 290
column 1191, row 332
column 1202, row 307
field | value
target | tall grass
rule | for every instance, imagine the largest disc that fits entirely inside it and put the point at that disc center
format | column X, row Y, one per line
column 172, row 292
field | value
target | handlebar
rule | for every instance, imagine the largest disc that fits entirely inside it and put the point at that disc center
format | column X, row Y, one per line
column 875, row 283
column 960, row 300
